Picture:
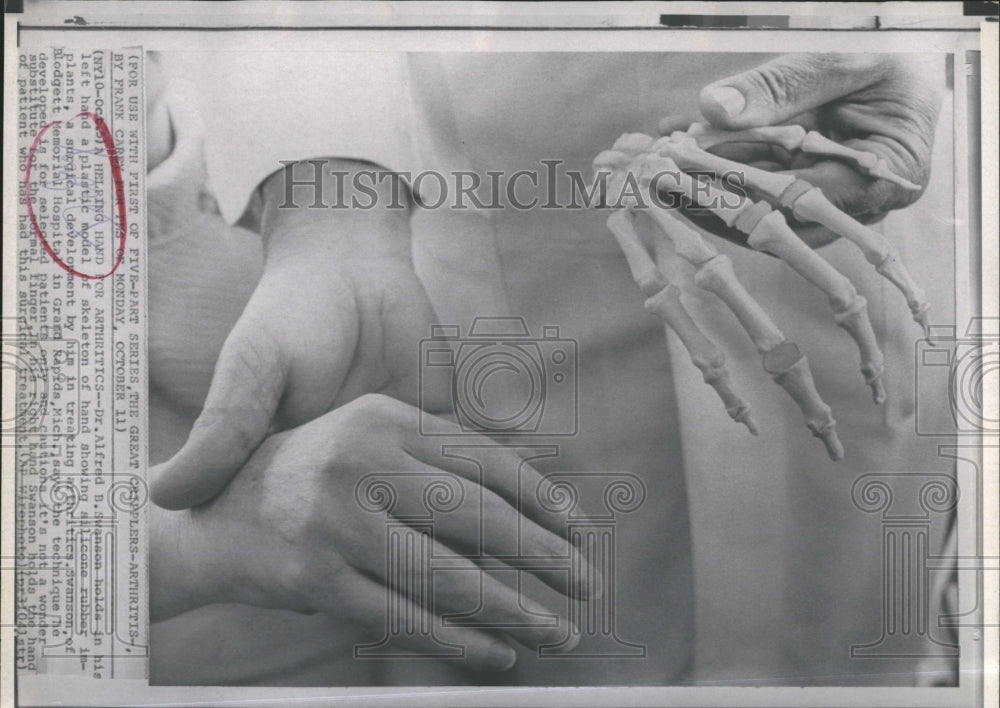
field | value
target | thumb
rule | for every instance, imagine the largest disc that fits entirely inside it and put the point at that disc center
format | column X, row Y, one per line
column 785, row 87
column 247, row 385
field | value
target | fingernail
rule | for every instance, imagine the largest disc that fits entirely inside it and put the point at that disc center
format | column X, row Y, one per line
column 501, row 657
column 730, row 99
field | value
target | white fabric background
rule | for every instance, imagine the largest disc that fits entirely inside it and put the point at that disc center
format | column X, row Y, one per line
column 785, row 569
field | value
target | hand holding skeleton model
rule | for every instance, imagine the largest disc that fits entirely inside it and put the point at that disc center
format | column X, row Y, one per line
column 639, row 165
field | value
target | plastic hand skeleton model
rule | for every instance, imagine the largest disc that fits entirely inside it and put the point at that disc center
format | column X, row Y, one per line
column 637, row 163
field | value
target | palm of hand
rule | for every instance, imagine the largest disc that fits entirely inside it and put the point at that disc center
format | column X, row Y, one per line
column 312, row 338
column 356, row 330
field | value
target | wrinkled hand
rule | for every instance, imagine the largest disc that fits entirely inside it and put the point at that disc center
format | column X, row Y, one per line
column 289, row 531
column 338, row 312
column 830, row 140
column 886, row 104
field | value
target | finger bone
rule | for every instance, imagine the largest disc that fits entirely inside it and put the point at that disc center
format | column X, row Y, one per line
column 664, row 300
column 708, row 358
column 870, row 163
column 787, row 136
column 790, row 369
column 772, row 234
column 812, row 205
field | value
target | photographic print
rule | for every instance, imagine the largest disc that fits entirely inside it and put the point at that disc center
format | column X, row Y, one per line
column 500, row 360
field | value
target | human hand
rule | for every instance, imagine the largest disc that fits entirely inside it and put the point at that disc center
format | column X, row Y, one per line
column 878, row 116
column 886, row 104
column 290, row 532
column 338, row 312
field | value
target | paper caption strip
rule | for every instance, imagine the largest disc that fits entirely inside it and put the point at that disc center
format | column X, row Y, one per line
column 78, row 348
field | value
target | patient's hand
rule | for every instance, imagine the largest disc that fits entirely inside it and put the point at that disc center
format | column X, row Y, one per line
column 886, row 104
column 289, row 532
column 338, row 312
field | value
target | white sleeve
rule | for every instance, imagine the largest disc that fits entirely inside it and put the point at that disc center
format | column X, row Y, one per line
column 262, row 108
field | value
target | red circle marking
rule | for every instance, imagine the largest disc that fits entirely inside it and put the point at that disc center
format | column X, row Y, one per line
column 116, row 176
